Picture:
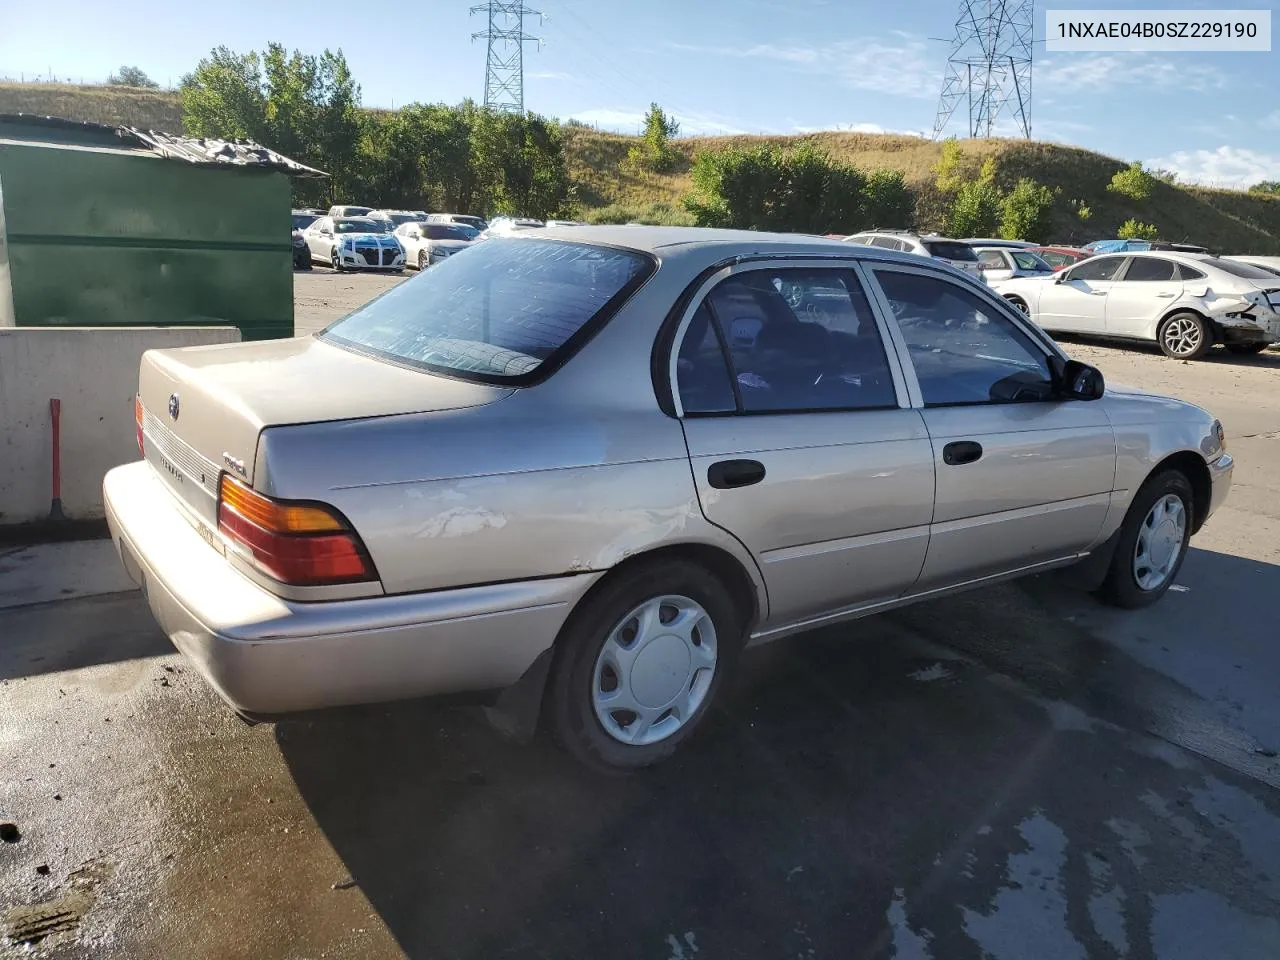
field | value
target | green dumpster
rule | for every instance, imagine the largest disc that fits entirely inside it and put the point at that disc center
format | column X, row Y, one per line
column 108, row 226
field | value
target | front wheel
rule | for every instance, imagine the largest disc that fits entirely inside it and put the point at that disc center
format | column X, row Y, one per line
column 1021, row 305
column 422, row 260
column 1184, row 336
column 1152, row 543
column 335, row 261
column 1247, row 348
column 640, row 662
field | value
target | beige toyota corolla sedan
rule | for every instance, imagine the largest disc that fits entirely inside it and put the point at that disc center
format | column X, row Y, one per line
column 579, row 470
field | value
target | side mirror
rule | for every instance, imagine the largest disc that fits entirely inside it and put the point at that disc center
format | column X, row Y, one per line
column 1060, row 276
column 1079, row 381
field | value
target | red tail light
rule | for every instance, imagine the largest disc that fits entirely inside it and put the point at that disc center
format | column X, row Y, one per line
column 302, row 544
column 137, row 416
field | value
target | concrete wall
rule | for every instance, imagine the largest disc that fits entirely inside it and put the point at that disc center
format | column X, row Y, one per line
column 94, row 372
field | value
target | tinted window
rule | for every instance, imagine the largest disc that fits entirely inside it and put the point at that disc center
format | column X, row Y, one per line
column 1030, row 261
column 800, row 340
column 950, row 250
column 886, row 243
column 498, row 311
column 993, row 259
column 1057, row 259
column 303, row 220
column 447, row 231
column 1237, row 269
column 1151, row 268
column 1190, row 273
column 1101, row 268
column 865, row 241
column 360, row 225
column 963, row 349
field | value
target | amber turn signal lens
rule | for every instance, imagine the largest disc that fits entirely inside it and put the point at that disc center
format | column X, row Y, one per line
column 276, row 517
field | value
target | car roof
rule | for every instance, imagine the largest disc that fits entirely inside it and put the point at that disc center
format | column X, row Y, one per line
column 654, row 239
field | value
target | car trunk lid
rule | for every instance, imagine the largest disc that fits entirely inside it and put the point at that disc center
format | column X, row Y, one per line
column 204, row 407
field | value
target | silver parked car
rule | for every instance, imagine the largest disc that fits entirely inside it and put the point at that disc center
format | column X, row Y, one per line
column 585, row 469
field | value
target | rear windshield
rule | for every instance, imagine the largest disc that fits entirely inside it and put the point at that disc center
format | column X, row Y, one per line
column 360, row 225
column 1030, row 261
column 303, row 220
column 448, row 231
column 950, row 250
column 1237, row 269
column 497, row 311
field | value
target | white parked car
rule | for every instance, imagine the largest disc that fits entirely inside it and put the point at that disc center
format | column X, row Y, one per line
column 505, row 226
column 354, row 243
column 957, row 253
column 397, row 217
column 1004, row 263
column 347, row 210
column 1186, row 302
column 426, row 244
column 1269, row 264
column 998, row 242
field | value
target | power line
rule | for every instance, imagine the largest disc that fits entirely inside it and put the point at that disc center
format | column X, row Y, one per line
column 504, row 62
column 989, row 67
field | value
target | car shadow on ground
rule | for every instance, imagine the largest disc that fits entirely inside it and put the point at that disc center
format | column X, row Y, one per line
column 865, row 790
column 1268, row 358
column 69, row 635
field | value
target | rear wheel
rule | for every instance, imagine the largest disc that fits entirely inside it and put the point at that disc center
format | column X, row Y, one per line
column 1184, row 336
column 640, row 662
column 1152, row 544
column 1247, row 348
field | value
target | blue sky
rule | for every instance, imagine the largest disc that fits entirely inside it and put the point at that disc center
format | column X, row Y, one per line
column 777, row 66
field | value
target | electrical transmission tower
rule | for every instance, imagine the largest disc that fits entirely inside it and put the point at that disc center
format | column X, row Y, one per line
column 504, row 65
column 989, row 68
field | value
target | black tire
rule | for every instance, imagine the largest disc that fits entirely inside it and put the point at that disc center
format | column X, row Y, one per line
column 1184, row 336
column 1120, row 588
column 302, row 261
column 422, row 260
column 1247, row 348
column 335, row 261
column 568, row 707
column 1021, row 306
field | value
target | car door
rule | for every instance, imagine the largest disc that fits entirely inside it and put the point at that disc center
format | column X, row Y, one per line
column 1075, row 300
column 320, row 239
column 1023, row 477
column 995, row 264
column 409, row 235
column 1146, row 290
column 799, row 436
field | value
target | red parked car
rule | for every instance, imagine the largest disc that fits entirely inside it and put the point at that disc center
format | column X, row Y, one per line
column 1061, row 257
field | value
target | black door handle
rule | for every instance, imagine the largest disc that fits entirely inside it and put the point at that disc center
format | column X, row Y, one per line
column 735, row 473
column 962, row 451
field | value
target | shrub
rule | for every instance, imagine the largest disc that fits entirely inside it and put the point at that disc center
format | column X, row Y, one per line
column 1028, row 212
column 888, row 201
column 950, row 167
column 659, row 213
column 1132, row 182
column 976, row 210
column 654, row 152
column 1133, row 229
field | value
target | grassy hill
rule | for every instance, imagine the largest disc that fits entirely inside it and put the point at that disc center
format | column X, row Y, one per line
column 1224, row 220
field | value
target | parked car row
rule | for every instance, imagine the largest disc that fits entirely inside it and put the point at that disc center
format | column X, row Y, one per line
column 1176, row 294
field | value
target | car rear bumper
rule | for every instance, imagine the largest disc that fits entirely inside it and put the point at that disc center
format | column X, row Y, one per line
column 267, row 656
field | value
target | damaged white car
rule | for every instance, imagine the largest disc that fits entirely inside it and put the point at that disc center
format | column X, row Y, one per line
column 1185, row 302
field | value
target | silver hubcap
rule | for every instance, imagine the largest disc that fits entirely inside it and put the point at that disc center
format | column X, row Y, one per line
column 1182, row 336
column 1159, row 542
column 1022, row 307
column 654, row 670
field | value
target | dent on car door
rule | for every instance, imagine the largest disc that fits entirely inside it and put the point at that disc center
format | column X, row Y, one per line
column 1146, row 291
column 798, row 444
column 1023, row 477
column 1077, row 301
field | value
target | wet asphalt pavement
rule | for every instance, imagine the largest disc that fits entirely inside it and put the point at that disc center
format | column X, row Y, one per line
column 1014, row 773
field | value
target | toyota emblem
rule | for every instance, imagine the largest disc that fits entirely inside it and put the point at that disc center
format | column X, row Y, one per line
column 173, row 406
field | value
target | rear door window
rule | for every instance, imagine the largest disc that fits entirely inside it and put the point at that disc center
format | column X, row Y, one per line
column 1151, row 269
column 1100, row 268
column 992, row 260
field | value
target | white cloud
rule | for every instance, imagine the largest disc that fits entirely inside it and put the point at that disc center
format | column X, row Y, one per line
column 1103, row 71
column 856, row 128
column 1224, row 167
column 901, row 66
column 632, row 121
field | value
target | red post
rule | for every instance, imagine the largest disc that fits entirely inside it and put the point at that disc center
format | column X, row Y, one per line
column 55, row 508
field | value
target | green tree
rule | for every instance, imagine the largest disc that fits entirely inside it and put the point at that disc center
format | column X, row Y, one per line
column 888, row 201
column 1028, row 212
column 950, row 168
column 131, row 77
column 1132, row 182
column 224, row 97
column 976, row 210
column 1133, row 229
column 654, row 152
column 1267, row 188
